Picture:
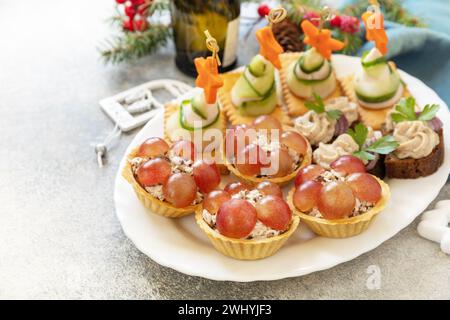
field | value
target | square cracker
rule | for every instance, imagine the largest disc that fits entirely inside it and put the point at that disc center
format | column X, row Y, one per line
column 369, row 117
column 232, row 113
column 296, row 105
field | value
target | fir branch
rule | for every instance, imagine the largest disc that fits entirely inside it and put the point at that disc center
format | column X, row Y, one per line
column 352, row 41
column 131, row 45
column 297, row 8
column 393, row 10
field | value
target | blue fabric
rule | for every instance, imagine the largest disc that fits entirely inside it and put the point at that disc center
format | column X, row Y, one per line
column 423, row 52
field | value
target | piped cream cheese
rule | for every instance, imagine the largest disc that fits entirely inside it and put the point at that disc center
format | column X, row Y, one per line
column 316, row 127
column 416, row 139
column 325, row 154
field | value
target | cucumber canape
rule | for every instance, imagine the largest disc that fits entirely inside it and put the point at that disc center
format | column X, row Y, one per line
column 377, row 85
column 311, row 74
column 254, row 92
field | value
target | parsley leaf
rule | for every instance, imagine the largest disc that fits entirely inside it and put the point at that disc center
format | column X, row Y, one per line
column 364, row 155
column 405, row 111
column 334, row 114
column 429, row 112
column 317, row 106
column 359, row 134
column 384, row 145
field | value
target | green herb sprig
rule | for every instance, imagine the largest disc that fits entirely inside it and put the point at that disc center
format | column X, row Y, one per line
column 384, row 145
column 319, row 107
column 405, row 111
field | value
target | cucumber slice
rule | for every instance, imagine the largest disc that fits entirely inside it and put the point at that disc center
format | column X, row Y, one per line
column 260, row 85
column 301, row 89
column 305, row 81
column 311, row 61
column 260, row 107
column 373, row 62
column 198, row 106
column 377, row 99
column 184, row 123
column 257, row 66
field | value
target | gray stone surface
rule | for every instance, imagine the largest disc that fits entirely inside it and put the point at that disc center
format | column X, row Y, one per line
column 59, row 237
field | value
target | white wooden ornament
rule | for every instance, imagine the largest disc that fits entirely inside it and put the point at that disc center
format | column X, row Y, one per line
column 434, row 225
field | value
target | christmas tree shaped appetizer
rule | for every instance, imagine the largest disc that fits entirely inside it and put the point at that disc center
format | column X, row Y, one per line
column 377, row 86
column 252, row 93
column 201, row 112
column 309, row 73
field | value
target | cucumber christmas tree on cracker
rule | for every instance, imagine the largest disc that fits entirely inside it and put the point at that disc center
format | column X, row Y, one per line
column 310, row 73
column 202, row 111
column 252, row 93
column 377, row 86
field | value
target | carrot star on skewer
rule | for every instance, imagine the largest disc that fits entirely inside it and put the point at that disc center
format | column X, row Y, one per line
column 320, row 39
column 208, row 77
column 374, row 23
column 269, row 47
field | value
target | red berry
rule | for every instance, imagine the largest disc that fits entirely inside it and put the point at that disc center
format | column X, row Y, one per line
column 128, row 25
column 130, row 11
column 206, row 175
column 120, row 1
column 335, row 22
column 141, row 24
column 313, row 17
column 236, row 218
column 349, row 24
column 263, row 10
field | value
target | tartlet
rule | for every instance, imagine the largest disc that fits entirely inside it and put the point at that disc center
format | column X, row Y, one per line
column 165, row 181
column 358, row 217
column 259, row 240
column 300, row 156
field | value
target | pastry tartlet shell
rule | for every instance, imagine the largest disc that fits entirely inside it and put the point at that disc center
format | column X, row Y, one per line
column 155, row 205
column 347, row 227
column 281, row 181
column 244, row 249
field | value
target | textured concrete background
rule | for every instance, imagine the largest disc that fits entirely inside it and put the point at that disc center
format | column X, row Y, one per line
column 59, row 237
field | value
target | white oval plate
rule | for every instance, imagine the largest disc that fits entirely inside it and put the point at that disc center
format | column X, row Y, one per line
column 180, row 244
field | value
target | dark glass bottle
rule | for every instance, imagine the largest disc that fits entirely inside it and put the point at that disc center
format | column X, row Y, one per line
column 190, row 18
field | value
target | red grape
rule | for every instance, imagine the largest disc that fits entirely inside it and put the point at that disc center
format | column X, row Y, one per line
column 153, row 147
column 236, row 137
column 348, row 164
column 285, row 162
column 294, row 141
column 248, row 160
column 365, row 187
column 266, row 122
column 269, row 188
column 235, row 187
column 206, row 175
column 214, row 200
column 180, row 190
column 306, row 195
column 184, row 149
column 154, row 171
column 308, row 173
column 274, row 212
column 236, row 218
column 336, row 200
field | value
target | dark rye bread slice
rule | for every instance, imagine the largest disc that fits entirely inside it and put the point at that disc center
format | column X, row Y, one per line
column 415, row 168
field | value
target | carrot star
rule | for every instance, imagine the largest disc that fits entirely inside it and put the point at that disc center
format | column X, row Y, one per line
column 208, row 77
column 269, row 47
column 374, row 23
column 320, row 39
